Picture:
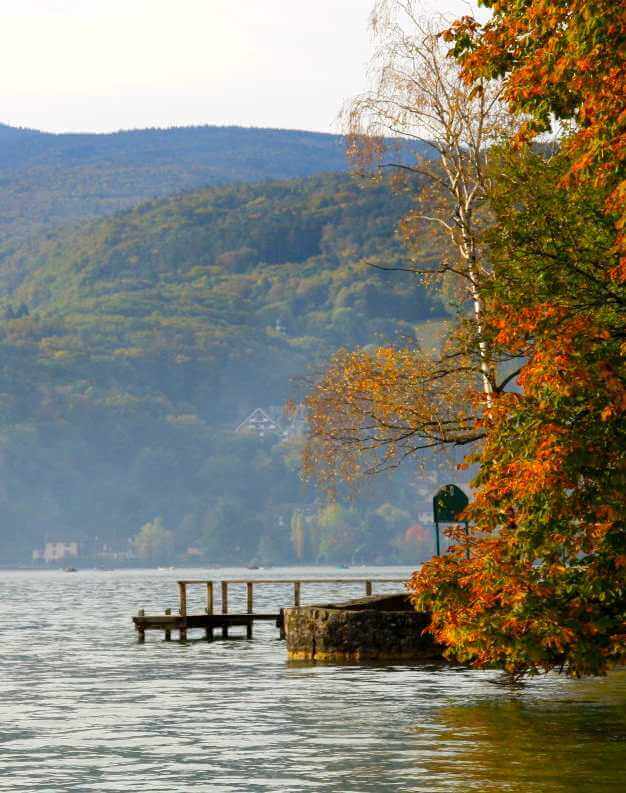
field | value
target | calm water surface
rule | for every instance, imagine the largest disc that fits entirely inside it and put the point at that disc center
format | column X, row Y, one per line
column 85, row 708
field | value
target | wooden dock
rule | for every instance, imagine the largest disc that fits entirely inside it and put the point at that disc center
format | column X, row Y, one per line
column 223, row 620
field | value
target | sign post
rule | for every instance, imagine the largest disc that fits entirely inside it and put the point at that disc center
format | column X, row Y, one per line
column 448, row 503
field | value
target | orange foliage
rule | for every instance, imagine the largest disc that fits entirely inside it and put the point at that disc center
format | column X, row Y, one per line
column 370, row 410
column 415, row 533
column 545, row 584
column 562, row 58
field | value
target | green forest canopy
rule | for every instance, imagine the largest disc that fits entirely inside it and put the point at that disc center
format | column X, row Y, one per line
column 132, row 348
column 49, row 180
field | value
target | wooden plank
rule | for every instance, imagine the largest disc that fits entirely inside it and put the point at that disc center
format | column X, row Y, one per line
column 141, row 632
column 280, row 624
column 209, row 610
column 182, row 593
column 168, row 632
column 250, row 604
column 173, row 621
column 296, row 593
column 225, row 608
column 262, row 616
column 218, row 620
column 276, row 581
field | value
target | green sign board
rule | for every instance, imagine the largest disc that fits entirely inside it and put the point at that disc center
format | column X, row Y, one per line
column 448, row 503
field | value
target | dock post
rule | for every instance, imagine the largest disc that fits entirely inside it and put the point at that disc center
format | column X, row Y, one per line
column 368, row 587
column 141, row 634
column 280, row 623
column 209, row 609
column 296, row 593
column 250, row 599
column 182, row 591
column 168, row 632
column 225, row 608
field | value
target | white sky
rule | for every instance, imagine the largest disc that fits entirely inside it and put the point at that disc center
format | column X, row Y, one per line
column 102, row 65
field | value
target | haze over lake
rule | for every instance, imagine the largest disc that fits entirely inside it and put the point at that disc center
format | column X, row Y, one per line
column 312, row 351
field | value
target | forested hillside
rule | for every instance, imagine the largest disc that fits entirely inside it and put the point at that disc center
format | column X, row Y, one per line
column 50, row 180
column 132, row 349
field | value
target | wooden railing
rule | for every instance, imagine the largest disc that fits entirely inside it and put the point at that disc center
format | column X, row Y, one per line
column 251, row 583
column 209, row 620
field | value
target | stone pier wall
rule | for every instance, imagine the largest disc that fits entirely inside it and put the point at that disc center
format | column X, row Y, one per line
column 375, row 628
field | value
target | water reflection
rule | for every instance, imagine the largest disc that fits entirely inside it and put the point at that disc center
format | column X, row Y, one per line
column 551, row 735
column 84, row 708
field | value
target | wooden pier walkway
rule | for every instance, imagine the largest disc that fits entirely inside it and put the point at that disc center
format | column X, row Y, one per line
column 210, row 619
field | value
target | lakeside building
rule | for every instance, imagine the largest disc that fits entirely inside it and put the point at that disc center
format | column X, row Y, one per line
column 259, row 423
column 64, row 550
column 57, row 551
column 274, row 421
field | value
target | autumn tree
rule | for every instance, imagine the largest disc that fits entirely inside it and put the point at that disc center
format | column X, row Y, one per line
column 545, row 585
column 561, row 60
column 372, row 409
column 369, row 410
column 418, row 95
column 153, row 542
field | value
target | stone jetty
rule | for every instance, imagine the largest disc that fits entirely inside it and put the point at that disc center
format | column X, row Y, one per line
column 382, row 628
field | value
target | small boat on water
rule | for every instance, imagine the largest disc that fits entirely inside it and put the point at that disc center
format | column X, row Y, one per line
column 70, row 570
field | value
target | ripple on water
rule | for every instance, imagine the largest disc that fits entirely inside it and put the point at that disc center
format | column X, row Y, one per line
column 84, row 708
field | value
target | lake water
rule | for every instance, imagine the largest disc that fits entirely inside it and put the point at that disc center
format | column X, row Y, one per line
column 86, row 708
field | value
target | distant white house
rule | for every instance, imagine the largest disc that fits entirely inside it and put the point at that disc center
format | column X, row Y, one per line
column 266, row 422
column 60, row 550
column 57, row 551
column 259, row 423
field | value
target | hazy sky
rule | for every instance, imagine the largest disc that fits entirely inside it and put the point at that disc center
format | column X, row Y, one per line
column 101, row 65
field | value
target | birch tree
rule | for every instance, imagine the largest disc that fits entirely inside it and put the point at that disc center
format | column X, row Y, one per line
column 371, row 410
column 418, row 95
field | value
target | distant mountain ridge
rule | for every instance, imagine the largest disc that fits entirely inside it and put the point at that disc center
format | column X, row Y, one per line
column 49, row 180
column 23, row 146
column 132, row 347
